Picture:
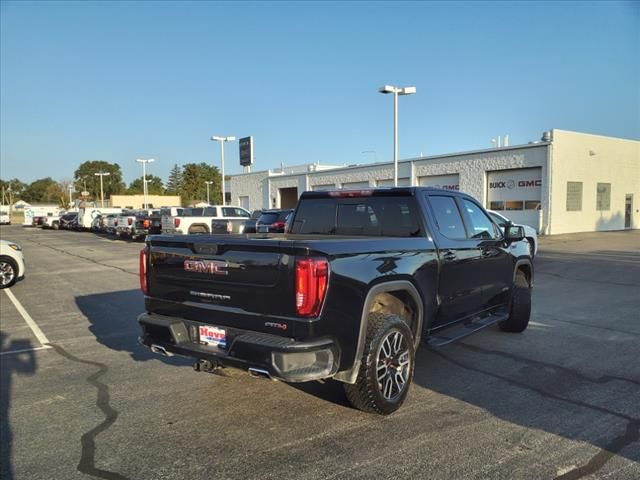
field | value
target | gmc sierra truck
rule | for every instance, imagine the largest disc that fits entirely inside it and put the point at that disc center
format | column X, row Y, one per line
column 361, row 278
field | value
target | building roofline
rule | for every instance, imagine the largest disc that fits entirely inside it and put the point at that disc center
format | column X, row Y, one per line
column 415, row 159
column 594, row 135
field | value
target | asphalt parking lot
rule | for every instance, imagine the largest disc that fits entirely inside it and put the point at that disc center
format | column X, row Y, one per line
column 560, row 401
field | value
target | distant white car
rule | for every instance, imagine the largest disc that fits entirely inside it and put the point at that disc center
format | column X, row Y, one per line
column 529, row 232
column 5, row 219
column 11, row 263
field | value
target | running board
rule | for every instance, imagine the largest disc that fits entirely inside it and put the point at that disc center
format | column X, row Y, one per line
column 457, row 332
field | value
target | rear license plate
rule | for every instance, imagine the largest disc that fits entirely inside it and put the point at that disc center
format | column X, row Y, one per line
column 213, row 336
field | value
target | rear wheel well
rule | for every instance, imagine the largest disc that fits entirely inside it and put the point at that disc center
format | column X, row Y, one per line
column 199, row 228
column 400, row 303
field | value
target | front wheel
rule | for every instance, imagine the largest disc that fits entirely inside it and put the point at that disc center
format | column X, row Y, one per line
column 387, row 366
column 8, row 272
column 520, row 309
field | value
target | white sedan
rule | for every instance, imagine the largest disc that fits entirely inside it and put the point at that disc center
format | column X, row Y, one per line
column 529, row 232
column 11, row 263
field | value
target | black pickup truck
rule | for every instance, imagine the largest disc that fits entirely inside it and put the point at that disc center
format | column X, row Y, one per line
column 349, row 293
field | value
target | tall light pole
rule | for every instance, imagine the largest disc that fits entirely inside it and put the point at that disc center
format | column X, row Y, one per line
column 144, row 177
column 100, row 174
column 208, row 182
column 222, row 140
column 70, row 194
column 396, row 91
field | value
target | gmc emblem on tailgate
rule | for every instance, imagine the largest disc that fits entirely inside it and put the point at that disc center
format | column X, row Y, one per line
column 214, row 267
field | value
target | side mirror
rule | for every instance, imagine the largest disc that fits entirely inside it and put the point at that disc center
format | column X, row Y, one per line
column 513, row 233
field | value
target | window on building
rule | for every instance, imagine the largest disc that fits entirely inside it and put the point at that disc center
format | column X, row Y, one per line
column 448, row 217
column 574, row 196
column 603, row 196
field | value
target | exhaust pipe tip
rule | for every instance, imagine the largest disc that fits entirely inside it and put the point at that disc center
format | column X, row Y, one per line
column 160, row 350
column 260, row 373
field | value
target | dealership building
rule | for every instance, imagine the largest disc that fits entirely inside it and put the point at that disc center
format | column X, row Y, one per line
column 566, row 182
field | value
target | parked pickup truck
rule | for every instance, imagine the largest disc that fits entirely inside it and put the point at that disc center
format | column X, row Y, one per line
column 361, row 279
column 199, row 219
column 147, row 222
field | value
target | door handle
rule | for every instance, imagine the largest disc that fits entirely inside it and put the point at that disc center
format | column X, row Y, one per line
column 449, row 255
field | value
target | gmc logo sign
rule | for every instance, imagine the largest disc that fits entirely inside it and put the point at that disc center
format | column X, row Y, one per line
column 214, row 267
column 512, row 184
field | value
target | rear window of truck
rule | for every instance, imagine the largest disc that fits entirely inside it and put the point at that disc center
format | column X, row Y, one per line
column 368, row 216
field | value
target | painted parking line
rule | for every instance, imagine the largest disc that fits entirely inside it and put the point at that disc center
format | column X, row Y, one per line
column 42, row 338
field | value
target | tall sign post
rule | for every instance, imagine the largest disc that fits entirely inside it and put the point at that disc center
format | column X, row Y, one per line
column 246, row 153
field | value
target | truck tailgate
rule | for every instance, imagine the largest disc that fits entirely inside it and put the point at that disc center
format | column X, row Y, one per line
column 231, row 273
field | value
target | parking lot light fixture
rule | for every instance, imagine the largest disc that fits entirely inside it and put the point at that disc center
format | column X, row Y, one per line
column 144, row 178
column 99, row 174
column 208, row 182
column 216, row 138
column 385, row 89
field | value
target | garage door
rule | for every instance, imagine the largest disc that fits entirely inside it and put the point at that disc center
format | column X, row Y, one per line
column 516, row 194
column 445, row 182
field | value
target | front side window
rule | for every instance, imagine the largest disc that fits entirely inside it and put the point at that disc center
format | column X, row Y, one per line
column 448, row 217
column 480, row 225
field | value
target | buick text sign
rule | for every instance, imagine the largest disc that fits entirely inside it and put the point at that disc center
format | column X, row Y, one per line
column 246, row 151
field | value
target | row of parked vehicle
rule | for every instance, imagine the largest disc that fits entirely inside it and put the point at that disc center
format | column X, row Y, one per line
column 137, row 224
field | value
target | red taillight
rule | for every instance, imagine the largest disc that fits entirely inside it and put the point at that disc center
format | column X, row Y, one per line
column 278, row 225
column 229, row 227
column 176, row 222
column 129, row 221
column 115, row 223
column 143, row 271
column 146, row 223
column 312, row 275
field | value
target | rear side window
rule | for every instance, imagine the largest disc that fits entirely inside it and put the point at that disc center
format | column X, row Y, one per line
column 448, row 217
column 371, row 216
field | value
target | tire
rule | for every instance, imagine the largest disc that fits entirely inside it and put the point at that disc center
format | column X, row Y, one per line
column 520, row 309
column 198, row 229
column 55, row 226
column 381, row 345
column 8, row 272
column 532, row 247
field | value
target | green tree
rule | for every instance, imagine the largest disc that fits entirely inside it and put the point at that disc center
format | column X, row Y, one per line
column 174, row 184
column 15, row 186
column 43, row 190
column 154, row 186
column 194, row 188
column 112, row 184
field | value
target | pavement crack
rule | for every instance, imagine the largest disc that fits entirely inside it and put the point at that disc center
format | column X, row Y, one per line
column 83, row 258
column 88, row 440
column 566, row 371
column 587, row 280
column 630, row 436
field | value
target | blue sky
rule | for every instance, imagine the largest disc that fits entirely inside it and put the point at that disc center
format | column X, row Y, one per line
column 125, row 80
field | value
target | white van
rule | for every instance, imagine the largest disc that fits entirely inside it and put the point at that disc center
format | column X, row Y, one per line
column 87, row 214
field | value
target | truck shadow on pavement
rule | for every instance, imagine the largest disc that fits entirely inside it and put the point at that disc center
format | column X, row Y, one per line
column 22, row 363
column 601, row 410
column 112, row 320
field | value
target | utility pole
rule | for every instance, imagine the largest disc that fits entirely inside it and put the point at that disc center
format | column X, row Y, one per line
column 144, row 177
column 100, row 174
column 222, row 140
column 208, row 182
